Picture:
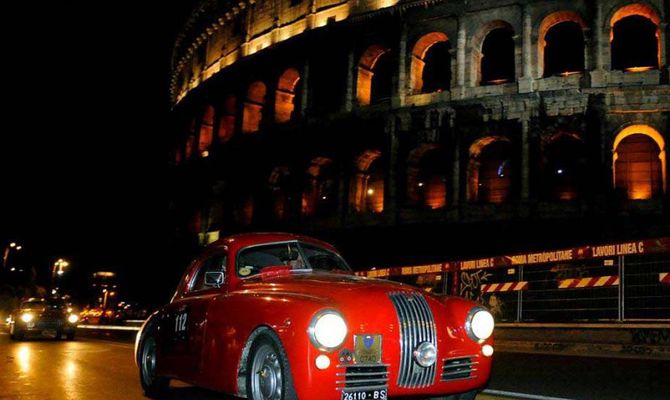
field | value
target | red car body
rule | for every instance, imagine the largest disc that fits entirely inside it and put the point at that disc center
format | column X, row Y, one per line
column 223, row 322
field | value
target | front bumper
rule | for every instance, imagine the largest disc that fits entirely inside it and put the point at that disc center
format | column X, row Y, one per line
column 44, row 326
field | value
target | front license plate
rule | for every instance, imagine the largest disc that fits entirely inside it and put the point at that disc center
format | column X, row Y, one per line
column 379, row 394
column 368, row 349
column 49, row 333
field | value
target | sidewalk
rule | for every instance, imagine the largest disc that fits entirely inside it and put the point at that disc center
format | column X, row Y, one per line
column 625, row 340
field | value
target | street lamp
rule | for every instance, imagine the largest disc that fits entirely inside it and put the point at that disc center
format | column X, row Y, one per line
column 57, row 271
column 8, row 249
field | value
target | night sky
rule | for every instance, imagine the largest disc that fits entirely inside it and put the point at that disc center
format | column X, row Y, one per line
column 83, row 147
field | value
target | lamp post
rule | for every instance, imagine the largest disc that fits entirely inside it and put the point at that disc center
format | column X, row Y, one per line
column 8, row 249
column 57, row 271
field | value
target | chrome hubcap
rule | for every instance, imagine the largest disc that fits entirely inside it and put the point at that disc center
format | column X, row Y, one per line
column 149, row 361
column 266, row 377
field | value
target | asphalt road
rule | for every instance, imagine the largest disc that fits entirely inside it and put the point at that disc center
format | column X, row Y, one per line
column 95, row 369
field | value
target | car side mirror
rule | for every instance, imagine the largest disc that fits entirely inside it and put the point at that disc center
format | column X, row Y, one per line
column 214, row 279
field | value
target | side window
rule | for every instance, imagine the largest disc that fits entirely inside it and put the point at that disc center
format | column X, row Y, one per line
column 215, row 263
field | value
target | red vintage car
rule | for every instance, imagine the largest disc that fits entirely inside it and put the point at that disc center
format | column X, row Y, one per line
column 280, row 316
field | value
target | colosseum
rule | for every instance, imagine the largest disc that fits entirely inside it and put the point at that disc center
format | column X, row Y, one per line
column 439, row 128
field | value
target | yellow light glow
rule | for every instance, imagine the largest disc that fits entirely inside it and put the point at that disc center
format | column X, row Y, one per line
column 371, row 192
column 27, row 317
column 23, row 357
column 639, row 69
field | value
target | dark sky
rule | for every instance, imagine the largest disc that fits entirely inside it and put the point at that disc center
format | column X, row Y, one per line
column 83, row 144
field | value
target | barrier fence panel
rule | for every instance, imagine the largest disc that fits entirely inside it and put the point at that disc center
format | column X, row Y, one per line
column 572, row 291
column 622, row 282
column 645, row 293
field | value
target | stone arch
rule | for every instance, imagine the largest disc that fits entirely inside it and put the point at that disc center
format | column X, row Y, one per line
column 253, row 107
column 366, row 72
column 636, row 167
column 206, row 133
column 286, row 95
column 490, row 170
column 426, row 177
column 564, row 157
column 319, row 196
column 280, row 192
column 620, row 14
column 418, row 64
column 478, row 44
column 367, row 185
column 551, row 21
column 228, row 111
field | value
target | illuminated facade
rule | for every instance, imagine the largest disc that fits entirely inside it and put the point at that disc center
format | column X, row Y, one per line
column 325, row 115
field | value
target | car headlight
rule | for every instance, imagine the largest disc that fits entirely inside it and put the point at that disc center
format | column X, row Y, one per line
column 327, row 330
column 479, row 324
column 27, row 317
column 72, row 319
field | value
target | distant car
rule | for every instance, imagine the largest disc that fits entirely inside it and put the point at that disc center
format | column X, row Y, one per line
column 281, row 316
column 43, row 317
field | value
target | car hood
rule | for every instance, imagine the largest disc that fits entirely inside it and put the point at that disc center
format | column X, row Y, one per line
column 325, row 287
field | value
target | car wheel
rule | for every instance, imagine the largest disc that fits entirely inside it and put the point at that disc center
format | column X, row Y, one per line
column 268, row 373
column 153, row 385
column 70, row 336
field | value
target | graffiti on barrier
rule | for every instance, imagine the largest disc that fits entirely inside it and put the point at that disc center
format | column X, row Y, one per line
column 651, row 336
column 471, row 283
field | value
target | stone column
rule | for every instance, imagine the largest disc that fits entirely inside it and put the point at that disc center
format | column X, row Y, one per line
column 598, row 75
column 304, row 102
column 525, row 158
column 456, row 164
column 349, row 93
column 460, row 60
column 391, row 194
column 526, row 80
column 663, row 42
column 402, row 66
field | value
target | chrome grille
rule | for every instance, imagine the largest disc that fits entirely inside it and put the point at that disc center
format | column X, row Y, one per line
column 459, row 368
column 416, row 326
column 363, row 377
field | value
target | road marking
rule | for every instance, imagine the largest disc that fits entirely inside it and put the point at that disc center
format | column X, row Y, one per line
column 109, row 328
column 521, row 395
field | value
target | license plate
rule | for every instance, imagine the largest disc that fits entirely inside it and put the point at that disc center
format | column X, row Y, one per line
column 368, row 349
column 49, row 333
column 379, row 394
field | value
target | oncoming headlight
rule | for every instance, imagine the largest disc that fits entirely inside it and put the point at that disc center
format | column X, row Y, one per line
column 327, row 330
column 73, row 319
column 27, row 317
column 479, row 324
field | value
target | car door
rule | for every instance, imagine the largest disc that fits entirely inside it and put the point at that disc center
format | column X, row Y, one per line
column 187, row 316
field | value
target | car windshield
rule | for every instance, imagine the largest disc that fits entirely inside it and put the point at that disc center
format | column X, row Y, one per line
column 299, row 256
column 32, row 304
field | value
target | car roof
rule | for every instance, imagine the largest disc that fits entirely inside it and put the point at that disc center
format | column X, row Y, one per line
column 249, row 239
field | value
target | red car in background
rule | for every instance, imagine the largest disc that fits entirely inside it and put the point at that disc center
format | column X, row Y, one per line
column 280, row 316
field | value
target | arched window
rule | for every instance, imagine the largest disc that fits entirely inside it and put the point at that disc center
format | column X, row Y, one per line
column 190, row 144
column 639, row 163
column 490, row 170
column 288, row 96
column 253, row 107
column 564, row 167
column 206, row 134
column 244, row 209
column 280, row 188
column 375, row 75
column 635, row 38
column 427, row 178
column 227, row 119
column 368, row 185
column 319, row 195
column 564, row 49
column 431, row 64
column 498, row 57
